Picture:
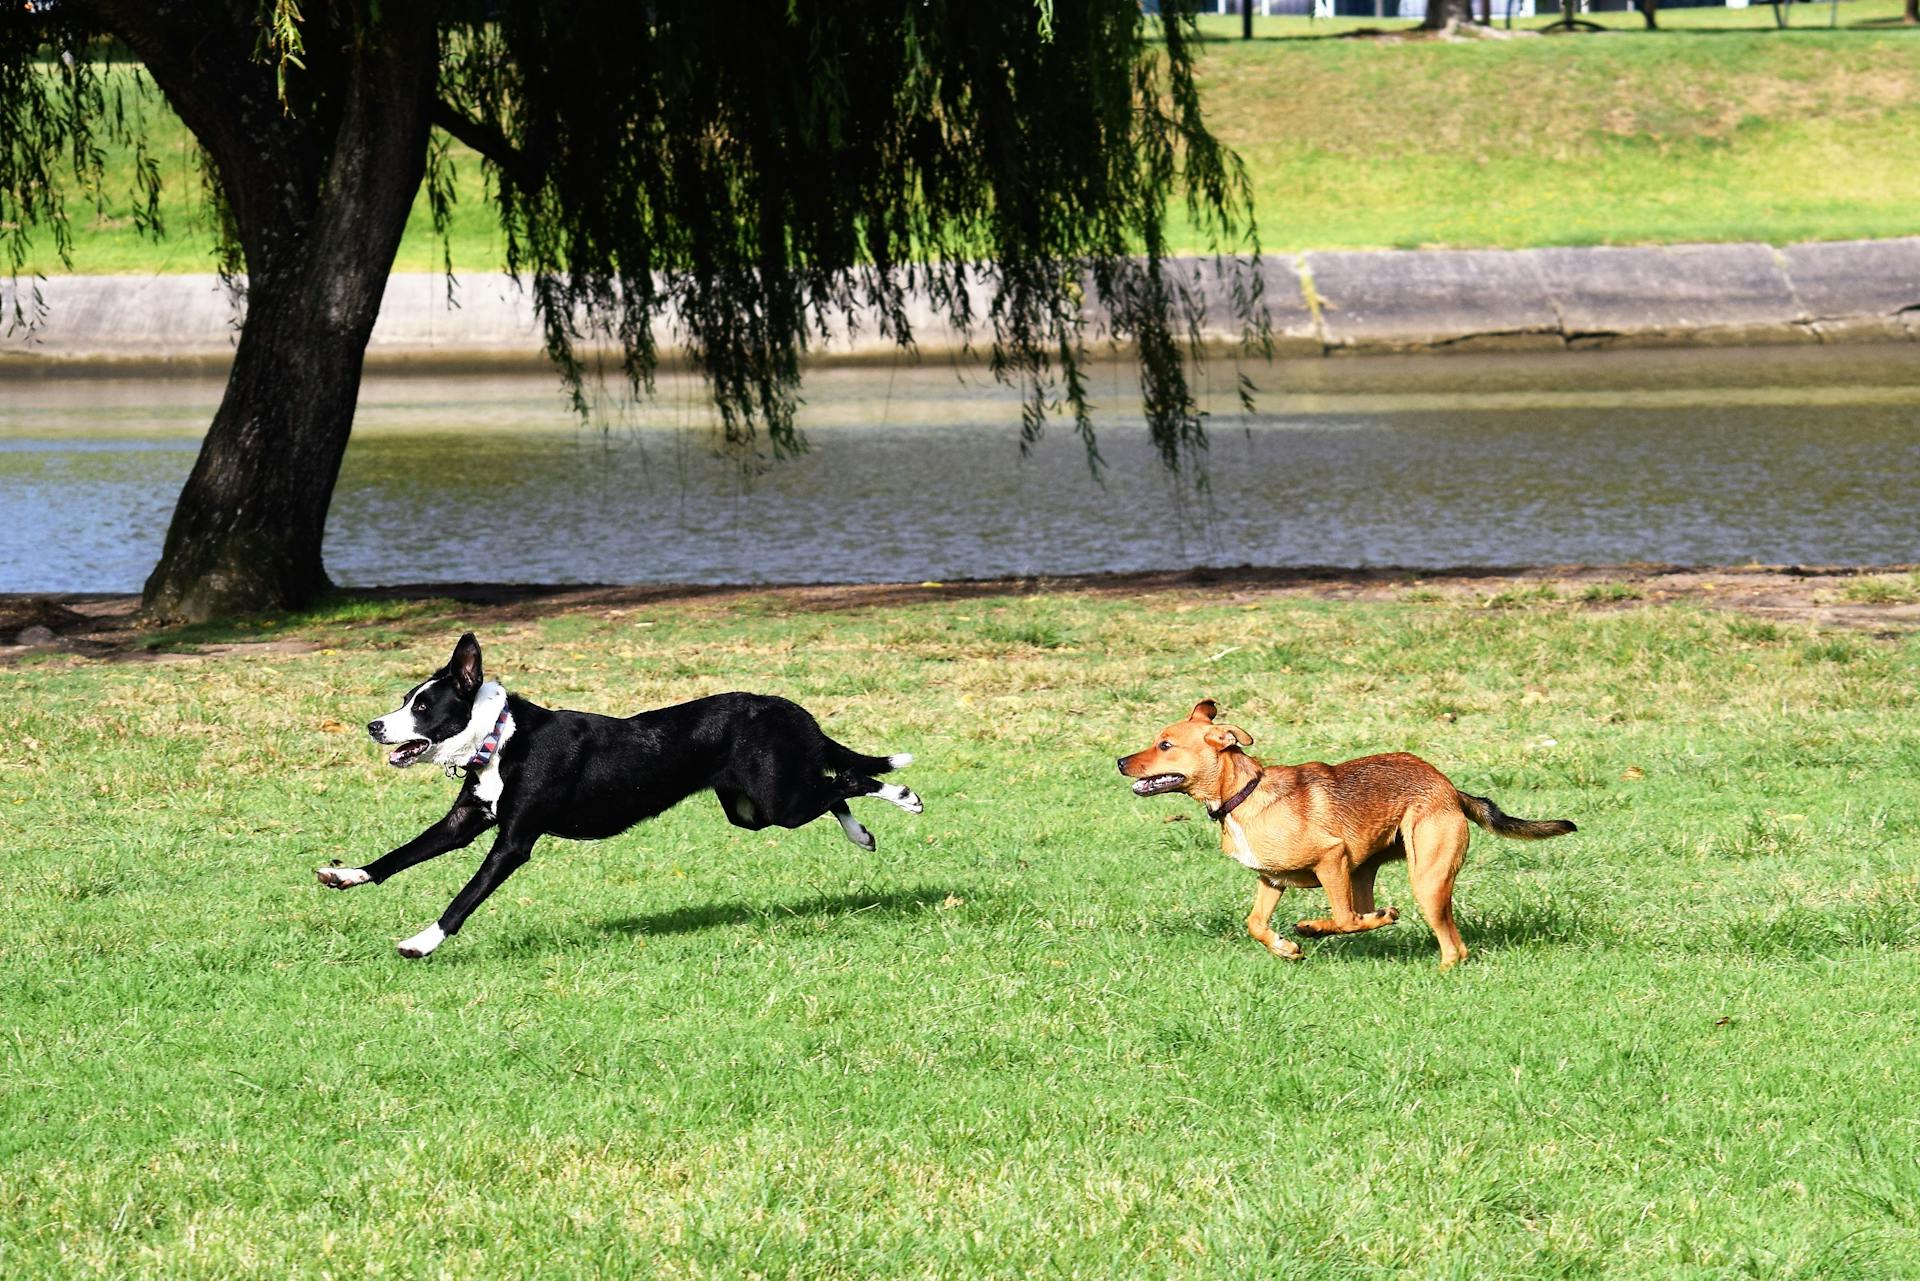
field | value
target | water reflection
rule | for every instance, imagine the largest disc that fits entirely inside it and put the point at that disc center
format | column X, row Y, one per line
column 1783, row 455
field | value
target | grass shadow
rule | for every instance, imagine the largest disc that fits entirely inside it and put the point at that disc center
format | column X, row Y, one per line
column 1535, row 925
column 1409, row 939
column 693, row 919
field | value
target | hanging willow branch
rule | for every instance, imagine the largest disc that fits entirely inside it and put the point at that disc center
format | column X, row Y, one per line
column 750, row 177
column 758, row 175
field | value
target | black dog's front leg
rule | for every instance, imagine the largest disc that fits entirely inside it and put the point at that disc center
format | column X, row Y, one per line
column 456, row 831
column 510, row 850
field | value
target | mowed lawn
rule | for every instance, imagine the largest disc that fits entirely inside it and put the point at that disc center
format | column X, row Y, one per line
column 1026, row 1037
column 1717, row 128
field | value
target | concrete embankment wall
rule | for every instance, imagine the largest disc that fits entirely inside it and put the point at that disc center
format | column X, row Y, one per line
column 1322, row 303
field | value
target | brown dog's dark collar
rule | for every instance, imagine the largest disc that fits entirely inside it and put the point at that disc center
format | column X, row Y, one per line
column 1233, row 802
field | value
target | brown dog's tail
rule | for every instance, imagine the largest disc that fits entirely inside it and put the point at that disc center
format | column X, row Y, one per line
column 1488, row 815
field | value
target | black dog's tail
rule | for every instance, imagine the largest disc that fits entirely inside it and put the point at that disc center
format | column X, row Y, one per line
column 1488, row 815
column 840, row 756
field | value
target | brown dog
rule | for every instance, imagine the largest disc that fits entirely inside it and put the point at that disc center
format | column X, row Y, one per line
column 1327, row 825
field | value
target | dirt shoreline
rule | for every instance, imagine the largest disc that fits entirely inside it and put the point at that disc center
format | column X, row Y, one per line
column 108, row 626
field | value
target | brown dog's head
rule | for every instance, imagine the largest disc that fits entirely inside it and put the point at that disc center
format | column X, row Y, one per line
column 1187, row 756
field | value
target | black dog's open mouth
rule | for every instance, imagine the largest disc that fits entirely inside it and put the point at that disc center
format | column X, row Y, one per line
column 1158, row 783
column 408, row 752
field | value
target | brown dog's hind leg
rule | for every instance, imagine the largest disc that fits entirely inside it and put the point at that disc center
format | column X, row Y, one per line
column 1264, row 898
column 1363, row 878
column 1336, row 878
column 1434, row 854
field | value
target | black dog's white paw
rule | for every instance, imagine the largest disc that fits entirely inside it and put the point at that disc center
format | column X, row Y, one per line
column 901, row 796
column 341, row 878
column 423, row 943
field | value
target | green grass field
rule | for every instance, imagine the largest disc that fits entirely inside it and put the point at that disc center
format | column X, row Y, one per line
column 1718, row 128
column 1027, row 1037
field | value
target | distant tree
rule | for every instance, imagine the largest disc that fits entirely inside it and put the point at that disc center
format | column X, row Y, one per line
column 1912, row 14
column 1442, row 14
column 753, row 171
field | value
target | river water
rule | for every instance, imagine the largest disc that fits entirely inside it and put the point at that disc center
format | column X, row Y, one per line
column 1808, row 455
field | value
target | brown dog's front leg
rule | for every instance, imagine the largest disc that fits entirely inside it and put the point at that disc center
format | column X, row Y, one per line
column 1265, row 896
column 1336, row 879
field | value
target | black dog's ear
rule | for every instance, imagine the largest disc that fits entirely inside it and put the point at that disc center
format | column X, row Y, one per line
column 465, row 664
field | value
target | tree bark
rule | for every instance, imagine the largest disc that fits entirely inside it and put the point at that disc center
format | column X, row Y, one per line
column 1912, row 14
column 247, row 533
column 1444, row 13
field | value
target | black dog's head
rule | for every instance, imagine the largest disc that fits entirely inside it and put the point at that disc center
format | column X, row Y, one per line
column 434, row 711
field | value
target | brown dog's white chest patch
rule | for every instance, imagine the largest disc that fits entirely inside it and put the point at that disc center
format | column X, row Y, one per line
column 1236, row 844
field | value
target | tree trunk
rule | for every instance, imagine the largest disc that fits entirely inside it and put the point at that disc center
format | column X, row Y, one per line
column 247, row 532
column 1913, row 11
column 1445, row 13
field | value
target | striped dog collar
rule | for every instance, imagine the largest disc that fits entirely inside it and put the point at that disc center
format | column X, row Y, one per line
column 488, row 746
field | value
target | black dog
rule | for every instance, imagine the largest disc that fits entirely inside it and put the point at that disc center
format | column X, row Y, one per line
column 534, row 772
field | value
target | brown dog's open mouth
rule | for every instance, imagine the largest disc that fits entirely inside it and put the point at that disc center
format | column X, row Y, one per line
column 1158, row 783
column 408, row 752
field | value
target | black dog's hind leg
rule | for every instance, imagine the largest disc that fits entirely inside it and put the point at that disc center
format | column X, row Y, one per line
column 854, row 785
column 849, row 786
column 456, row 831
column 510, row 850
column 856, row 830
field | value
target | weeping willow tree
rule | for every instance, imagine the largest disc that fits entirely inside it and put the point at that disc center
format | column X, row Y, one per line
column 746, row 176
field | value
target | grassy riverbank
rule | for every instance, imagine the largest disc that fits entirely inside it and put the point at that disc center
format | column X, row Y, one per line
column 1720, row 128
column 1027, row 1034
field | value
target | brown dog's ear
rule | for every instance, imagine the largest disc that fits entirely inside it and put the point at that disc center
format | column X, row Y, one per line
column 1204, row 710
column 1224, row 738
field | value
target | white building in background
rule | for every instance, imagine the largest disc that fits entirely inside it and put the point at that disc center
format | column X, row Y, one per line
column 1418, row 8
column 1375, row 8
